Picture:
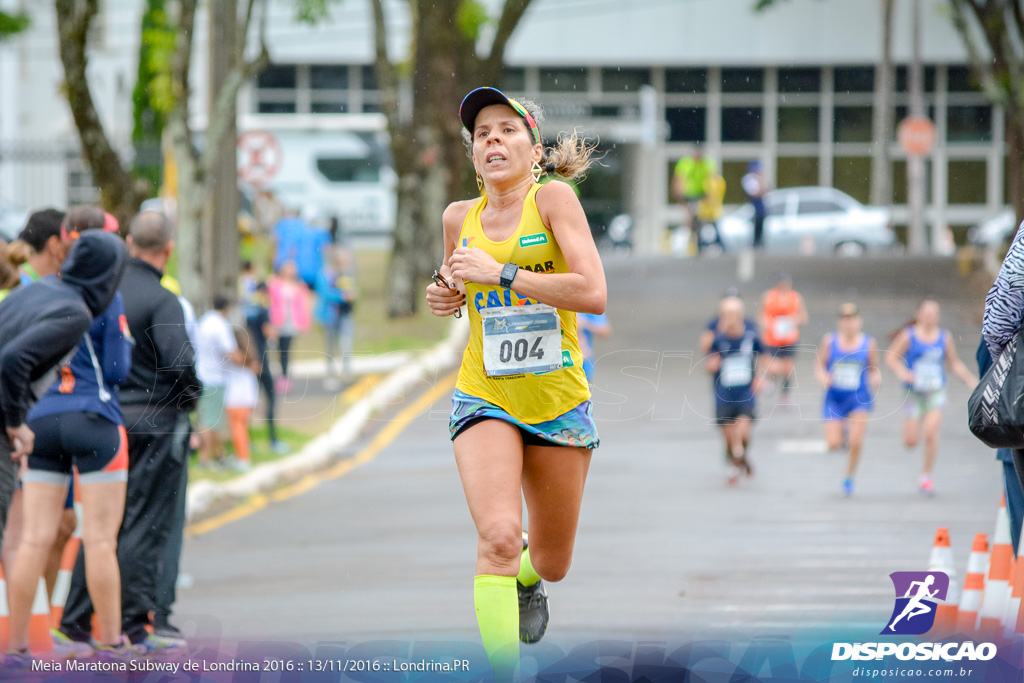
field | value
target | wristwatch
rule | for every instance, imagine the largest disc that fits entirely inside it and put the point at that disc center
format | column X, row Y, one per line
column 508, row 274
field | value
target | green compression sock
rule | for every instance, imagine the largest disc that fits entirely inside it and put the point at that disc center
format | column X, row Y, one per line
column 528, row 576
column 497, row 614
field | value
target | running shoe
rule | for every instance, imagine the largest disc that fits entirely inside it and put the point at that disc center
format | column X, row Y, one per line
column 159, row 645
column 734, row 475
column 926, row 486
column 848, row 487
column 745, row 465
column 66, row 648
column 122, row 652
column 18, row 659
column 534, row 611
column 163, row 627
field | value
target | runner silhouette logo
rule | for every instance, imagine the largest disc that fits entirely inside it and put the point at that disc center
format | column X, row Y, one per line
column 916, row 597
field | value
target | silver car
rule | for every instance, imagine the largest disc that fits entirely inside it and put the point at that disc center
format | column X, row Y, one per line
column 811, row 220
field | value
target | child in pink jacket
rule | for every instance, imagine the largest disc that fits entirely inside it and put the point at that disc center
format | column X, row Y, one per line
column 289, row 312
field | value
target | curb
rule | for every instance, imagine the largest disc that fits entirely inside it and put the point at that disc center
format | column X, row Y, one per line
column 324, row 449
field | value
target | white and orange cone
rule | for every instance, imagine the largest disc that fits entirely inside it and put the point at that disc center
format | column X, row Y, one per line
column 997, row 586
column 62, row 586
column 941, row 560
column 974, row 586
column 39, row 638
column 5, row 622
column 1016, row 592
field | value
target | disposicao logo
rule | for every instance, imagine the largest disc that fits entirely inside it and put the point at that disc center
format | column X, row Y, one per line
column 914, row 614
column 533, row 240
column 916, row 595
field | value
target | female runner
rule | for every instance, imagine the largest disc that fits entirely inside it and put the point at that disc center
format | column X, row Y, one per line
column 523, row 258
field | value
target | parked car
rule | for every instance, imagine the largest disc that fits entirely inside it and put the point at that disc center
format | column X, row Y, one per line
column 994, row 231
column 12, row 220
column 818, row 219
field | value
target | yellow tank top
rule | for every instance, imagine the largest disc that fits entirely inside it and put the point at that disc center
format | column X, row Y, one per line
column 532, row 398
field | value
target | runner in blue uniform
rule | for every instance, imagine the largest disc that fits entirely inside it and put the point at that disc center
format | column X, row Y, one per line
column 918, row 355
column 848, row 369
column 733, row 361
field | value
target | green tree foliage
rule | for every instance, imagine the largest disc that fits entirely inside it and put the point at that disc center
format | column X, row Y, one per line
column 11, row 24
column 152, row 97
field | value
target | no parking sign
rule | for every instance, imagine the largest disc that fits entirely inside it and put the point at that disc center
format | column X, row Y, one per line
column 259, row 157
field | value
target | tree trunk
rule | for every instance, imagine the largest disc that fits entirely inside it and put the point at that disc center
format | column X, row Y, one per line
column 120, row 194
column 402, row 290
column 1015, row 162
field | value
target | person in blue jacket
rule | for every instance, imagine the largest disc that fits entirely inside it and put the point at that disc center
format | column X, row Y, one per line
column 40, row 326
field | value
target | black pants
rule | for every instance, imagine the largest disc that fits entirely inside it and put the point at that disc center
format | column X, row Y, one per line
column 8, row 483
column 166, row 585
column 759, row 229
column 156, row 456
column 284, row 345
column 266, row 376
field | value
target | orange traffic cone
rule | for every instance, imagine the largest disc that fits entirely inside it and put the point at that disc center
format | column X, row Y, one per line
column 39, row 638
column 941, row 560
column 997, row 587
column 974, row 586
column 5, row 624
column 1016, row 592
column 67, row 563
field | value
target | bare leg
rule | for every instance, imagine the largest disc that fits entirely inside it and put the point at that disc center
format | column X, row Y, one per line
column 858, row 426
column 103, row 509
column 932, row 422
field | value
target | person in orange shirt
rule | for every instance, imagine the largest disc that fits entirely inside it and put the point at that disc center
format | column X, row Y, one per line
column 782, row 314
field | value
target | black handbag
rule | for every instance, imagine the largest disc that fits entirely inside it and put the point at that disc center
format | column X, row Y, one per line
column 995, row 411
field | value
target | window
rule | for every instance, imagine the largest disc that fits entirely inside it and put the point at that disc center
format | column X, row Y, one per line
column 277, row 76
column 732, row 173
column 276, row 108
column 563, row 80
column 852, row 175
column 328, row 107
column 369, row 77
column 811, row 205
column 347, row 170
column 960, row 79
column 849, row 79
column 741, row 124
column 686, row 80
column 796, row 171
column 513, row 79
column 969, row 124
column 799, row 80
column 852, row 124
column 968, row 181
column 799, row 124
column 903, row 79
column 742, row 80
column 333, row 77
column 617, row 79
column 775, row 206
column 686, row 124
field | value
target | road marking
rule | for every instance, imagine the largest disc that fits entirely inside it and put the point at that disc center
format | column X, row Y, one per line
column 801, row 446
column 310, row 481
column 361, row 388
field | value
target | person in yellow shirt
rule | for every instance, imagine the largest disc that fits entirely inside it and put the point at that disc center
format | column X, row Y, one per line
column 522, row 259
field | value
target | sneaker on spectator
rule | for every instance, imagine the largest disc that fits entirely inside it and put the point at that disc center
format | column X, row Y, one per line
column 159, row 645
column 164, row 628
column 19, row 660
column 66, row 648
column 122, row 652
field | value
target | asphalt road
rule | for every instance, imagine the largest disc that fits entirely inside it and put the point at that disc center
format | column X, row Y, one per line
column 665, row 549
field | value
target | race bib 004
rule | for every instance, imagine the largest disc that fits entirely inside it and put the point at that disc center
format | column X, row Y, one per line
column 518, row 340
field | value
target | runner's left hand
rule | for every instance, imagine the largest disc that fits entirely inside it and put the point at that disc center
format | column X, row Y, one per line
column 475, row 265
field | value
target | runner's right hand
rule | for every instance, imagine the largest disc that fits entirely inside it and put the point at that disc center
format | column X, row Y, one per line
column 22, row 441
column 444, row 301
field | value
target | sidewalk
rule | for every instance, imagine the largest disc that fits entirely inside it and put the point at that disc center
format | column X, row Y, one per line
column 312, row 405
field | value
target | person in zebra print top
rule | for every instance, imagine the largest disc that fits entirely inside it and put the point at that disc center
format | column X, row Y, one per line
column 1004, row 305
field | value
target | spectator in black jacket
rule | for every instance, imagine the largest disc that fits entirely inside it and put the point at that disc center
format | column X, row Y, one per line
column 156, row 398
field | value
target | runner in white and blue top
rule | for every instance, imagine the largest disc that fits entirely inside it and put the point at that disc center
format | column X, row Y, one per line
column 918, row 355
column 733, row 361
column 848, row 369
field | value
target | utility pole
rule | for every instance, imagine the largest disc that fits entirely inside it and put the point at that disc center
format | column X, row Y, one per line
column 916, row 241
column 881, row 160
column 220, row 229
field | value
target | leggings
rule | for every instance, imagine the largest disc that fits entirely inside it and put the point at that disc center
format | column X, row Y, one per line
column 238, row 421
column 284, row 344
